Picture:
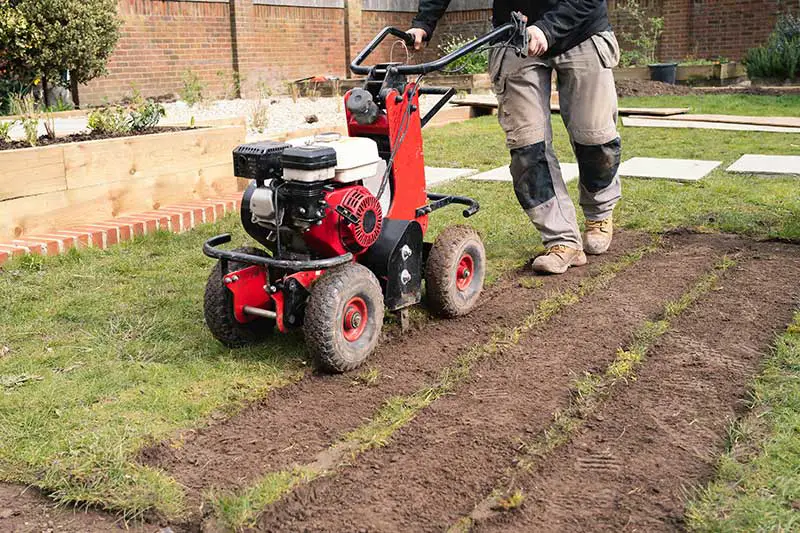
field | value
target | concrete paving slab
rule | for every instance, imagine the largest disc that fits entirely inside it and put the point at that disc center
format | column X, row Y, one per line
column 642, row 122
column 767, row 164
column 435, row 175
column 568, row 170
column 671, row 169
column 787, row 122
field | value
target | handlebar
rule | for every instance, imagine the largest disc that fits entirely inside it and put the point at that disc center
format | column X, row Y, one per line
column 514, row 30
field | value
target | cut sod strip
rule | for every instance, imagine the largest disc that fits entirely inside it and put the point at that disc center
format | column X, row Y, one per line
column 242, row 508
column 589, row 393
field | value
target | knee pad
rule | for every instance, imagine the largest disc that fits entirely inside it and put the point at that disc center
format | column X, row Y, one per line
column 598, row 164
column 533, row 184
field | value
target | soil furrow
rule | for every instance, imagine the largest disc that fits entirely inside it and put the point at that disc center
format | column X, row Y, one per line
column 437, row 468
column 637, row 458
column 298, row 421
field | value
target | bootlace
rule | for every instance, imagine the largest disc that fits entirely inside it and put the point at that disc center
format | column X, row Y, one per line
column 558, row 249
column 599, row 225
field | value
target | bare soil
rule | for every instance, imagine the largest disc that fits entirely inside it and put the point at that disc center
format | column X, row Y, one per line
column 630, row 467
column 650, row 88
column 44, row 140
column 437, row 468
column 294, row 423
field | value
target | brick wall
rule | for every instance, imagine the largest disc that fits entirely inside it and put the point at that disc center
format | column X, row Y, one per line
column 273, row 41
column 159, row 41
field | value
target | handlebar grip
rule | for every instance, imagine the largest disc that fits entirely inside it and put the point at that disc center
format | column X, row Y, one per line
column 406, row 37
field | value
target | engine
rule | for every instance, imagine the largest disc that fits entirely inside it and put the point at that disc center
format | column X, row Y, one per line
column 314, row 198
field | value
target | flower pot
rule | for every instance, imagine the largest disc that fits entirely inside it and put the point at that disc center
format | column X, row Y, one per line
column 664, row 72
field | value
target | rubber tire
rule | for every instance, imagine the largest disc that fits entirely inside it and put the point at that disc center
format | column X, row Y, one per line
column 443, row 297
column 325, row 315
column 218, row 308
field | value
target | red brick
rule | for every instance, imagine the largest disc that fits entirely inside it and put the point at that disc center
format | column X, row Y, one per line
column 13, row 250
column 39, row 246
column 96, row 237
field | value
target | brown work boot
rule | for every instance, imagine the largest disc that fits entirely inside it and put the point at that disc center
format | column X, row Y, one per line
column 598, row 235
column 557, row 259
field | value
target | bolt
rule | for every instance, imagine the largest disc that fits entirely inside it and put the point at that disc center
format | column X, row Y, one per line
column 290, row 319
column 272, row 289
column 465, row 274
column 235, row 278
column 301, row 210
column 355, row 320
column 227, row 280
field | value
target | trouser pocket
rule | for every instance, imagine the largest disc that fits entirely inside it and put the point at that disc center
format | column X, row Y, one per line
column 496, row 74
column 607, row 48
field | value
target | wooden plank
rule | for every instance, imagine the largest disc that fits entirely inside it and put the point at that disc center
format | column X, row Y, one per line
column 31, row 171
column 131, row 158
column 490, row 102
column 52, row 211
column 786, row 122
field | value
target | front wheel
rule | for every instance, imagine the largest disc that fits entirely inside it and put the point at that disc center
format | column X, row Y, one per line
column 344, row 317
column 455, row 271
column 218, row 308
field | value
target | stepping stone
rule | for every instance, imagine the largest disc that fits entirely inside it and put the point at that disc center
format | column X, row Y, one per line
column 767, row 164
column 434, row 175
column 697, row 124
column 671, row 169
column 568, row 170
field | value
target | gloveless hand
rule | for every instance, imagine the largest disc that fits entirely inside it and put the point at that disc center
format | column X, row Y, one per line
column 419, row 36
column 537, row 42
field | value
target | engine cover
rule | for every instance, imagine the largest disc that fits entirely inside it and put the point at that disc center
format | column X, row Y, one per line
column 352, row 223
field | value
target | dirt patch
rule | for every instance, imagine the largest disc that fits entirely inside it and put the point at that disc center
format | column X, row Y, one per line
column 650, row 88
column 294, row 423
column 44, row 140
column 631, row 466
column 437, row 468
column 25, row 510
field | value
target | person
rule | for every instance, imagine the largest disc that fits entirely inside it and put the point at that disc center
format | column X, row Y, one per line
column 574, row 38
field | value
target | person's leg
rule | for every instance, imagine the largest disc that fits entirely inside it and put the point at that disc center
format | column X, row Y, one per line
column 522, row 87
column 589, row 108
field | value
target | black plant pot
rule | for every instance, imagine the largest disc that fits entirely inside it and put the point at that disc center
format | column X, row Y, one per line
column 664, row 72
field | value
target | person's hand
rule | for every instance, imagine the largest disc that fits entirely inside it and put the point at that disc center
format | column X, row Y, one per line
column 419, row 36
column 537, row 42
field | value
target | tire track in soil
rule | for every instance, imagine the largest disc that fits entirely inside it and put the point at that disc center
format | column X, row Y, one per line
column 437, row 468
column 661, row 434
column 294, row 423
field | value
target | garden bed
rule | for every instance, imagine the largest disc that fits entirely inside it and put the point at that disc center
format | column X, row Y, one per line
column 70, row 183
column 81, row 137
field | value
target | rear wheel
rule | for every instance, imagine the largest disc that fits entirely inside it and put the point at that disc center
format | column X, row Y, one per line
column 344, row 317
column 218, row 308
column 455, row 271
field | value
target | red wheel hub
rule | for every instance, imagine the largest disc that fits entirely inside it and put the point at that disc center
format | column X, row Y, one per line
column 355, row 319
column 465, row 272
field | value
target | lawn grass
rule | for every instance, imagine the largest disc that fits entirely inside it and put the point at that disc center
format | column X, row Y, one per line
column 103, row 352
column 723, row 104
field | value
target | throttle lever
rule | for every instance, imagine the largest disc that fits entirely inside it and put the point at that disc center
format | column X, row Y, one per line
column 519, row 38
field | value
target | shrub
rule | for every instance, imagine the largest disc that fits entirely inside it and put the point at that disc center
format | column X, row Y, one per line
column 192, row 90
column 111, row 120
column 48, row 37
column 780, row 57
column 474, row 63
column 644, row 38
column 5, row 128
column 145, row 115
column 25, row 106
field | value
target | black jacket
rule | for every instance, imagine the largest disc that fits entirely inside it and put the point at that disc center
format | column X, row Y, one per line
column 566, row 23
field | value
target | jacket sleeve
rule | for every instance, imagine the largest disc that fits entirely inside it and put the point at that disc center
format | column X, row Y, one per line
column 565, row 17
column 430, row 11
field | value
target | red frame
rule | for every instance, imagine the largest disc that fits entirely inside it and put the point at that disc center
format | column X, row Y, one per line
column 409, row 194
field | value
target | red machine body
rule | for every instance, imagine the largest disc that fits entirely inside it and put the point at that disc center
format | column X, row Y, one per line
column 337, row 235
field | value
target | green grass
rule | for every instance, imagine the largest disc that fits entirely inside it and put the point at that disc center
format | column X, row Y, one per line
column 746, row 204
column 104, row 352
column 723, row 104
column 758, row 478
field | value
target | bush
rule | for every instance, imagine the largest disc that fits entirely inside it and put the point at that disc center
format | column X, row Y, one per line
column 45, row 38
column 5, row 128
column 474, row 63
column 780, row 57
column 114, row 120
column 192, row 90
